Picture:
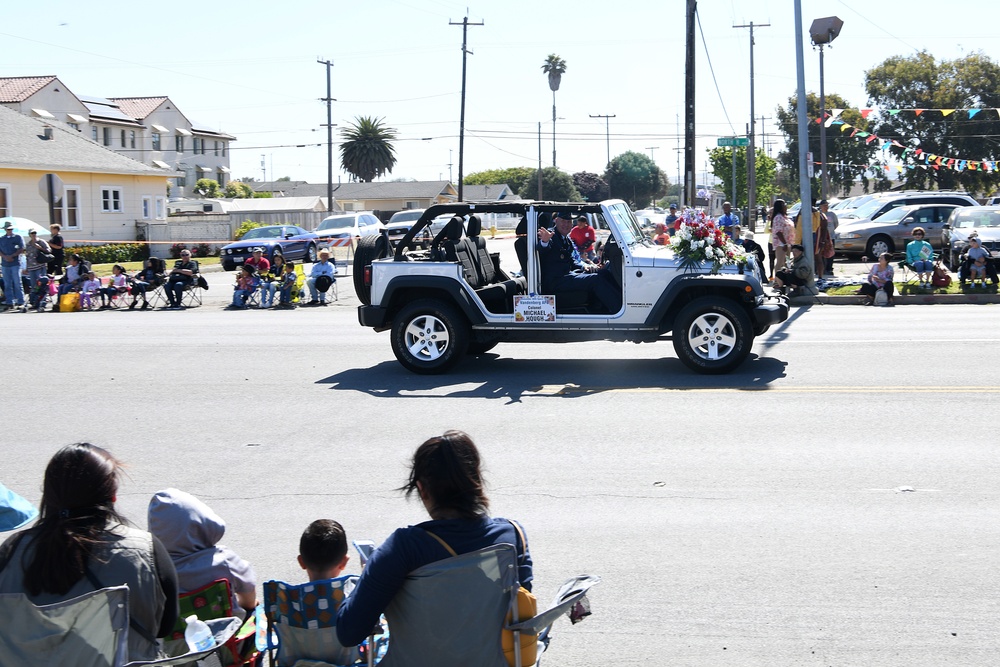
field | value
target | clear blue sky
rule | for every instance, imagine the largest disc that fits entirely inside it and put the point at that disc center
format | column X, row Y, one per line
column 250, row 69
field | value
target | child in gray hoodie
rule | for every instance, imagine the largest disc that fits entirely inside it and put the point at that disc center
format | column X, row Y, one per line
column 190, row 531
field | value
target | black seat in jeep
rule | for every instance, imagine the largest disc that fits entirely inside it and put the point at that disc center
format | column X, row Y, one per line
column 458, row 248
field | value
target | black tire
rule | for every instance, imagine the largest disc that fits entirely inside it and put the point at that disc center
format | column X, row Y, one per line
column 712, row 335
column 429, row 336
column 311, row 255
column 369, row 248
column 875, row 247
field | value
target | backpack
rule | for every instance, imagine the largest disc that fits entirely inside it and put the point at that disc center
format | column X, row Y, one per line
column 881, row 298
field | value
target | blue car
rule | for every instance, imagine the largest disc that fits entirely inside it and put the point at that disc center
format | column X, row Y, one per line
column 291, row 242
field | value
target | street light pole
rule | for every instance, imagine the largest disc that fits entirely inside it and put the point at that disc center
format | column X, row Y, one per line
column 607, row 135
column 823, row 31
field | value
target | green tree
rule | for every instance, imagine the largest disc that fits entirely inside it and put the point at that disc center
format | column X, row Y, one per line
column 284, row 179
column 848, row 158
column 515, row 177
column 557, row 185
column 208, row 187
column 590, row 185
column 237, row 190
column 721, row 160
column 367, row 151
column 920, row 82
column 635, row 178
column 554, row 67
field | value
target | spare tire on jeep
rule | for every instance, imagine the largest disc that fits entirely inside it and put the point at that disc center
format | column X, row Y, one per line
column 369, row 248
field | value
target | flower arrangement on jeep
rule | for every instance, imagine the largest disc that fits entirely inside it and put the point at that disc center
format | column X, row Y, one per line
column 700, row 240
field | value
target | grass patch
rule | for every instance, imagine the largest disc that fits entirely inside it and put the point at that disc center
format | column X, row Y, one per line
column 131, row 267
column 913, row 290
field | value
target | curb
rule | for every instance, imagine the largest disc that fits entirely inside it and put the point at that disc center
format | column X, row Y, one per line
column 899, row 299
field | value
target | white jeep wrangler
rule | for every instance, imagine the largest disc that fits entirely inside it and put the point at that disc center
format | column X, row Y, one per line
column 454, row 299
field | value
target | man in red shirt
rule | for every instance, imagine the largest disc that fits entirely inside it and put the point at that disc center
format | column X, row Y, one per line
column 259, row 263
column 583, row 237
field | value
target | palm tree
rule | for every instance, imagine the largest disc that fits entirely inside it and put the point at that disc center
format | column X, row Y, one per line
column 366, row 152
column 554, row 67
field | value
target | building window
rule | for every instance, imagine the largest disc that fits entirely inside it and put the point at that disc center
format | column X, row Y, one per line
column 107, row 136
column 123, row 138
column 75, row 126
column 147, row 207
column 111, row 200
column 131, row 139
column 179, row 144
column 216, row 147
column 156, row 141
column 161, row 208
column 93, row 132
column 70, row 208
column 225, row 149
column 220, row 176
column 4, row 201
column 182, row 180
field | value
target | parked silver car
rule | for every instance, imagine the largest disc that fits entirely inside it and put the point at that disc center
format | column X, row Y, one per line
column 891, row 231
column 984, row 221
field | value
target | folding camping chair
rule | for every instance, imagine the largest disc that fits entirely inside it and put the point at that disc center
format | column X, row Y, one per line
column 451, row 612
column 211, row 602
column 304, row 618
column 92, row 629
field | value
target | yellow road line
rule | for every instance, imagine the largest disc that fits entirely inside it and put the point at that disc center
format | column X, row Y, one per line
column 555, row 390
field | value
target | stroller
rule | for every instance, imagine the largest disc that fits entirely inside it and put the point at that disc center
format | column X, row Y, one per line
column 40, row 293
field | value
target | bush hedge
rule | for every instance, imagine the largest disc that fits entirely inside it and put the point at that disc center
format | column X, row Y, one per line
column 110, row 253
column 245, row 227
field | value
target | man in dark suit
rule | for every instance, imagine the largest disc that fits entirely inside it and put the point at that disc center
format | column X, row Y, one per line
column 563, row 270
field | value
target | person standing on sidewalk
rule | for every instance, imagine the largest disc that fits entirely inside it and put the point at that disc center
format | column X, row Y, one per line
column 11, row 247
column 782, row 234
column 831, row 226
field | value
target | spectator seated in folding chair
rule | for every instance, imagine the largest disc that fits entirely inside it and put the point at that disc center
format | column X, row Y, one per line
column 75, row 274
column 919, row 259
column 183, row 277
column 150, row 278
column 292, row 291
column 41, row 293
column 324, row 268
column 88, row 546
column 116, row 292
column 447, row 585
column 245, row 289
column 270, row 281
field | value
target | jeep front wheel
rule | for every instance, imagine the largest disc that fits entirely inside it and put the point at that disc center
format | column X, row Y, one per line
column 712, row 335
column 429, row 337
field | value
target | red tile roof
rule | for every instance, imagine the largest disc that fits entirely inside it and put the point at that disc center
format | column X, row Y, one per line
column 20, row 88
column 138, row 107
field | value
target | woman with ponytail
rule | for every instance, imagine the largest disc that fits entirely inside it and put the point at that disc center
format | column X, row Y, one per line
column 81, row 543
column 446, row 475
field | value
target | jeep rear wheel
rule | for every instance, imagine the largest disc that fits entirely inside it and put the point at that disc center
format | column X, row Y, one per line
column 369, row 248
column 712, row 335
column 429, row 336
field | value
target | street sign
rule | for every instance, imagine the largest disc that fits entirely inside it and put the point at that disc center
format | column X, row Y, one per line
column 56, row 193
column 732, row 141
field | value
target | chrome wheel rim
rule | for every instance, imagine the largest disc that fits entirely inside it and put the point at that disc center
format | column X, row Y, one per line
column 712, row 336
column 426, row 337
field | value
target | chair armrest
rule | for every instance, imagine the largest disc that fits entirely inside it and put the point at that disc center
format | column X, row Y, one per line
column 222, row 629
column 572, row 591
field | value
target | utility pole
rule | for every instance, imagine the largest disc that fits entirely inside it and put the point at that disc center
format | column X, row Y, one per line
column 263, row 168
column 651, row 149
column 689, row 99
column 751, row 149
column 678, row 150
column 803, row 134
column 461, row 123
column 764, row 143
column 540, row 161
column 607, row 130
column 329, row 136
column 449, row 166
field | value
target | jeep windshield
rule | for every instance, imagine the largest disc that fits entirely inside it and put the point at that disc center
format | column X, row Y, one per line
column 627, row 224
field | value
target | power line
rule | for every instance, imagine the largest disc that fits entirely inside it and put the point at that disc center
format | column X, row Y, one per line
column 712, row 71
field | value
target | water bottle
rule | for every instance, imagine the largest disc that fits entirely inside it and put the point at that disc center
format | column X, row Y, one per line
column 197, row 635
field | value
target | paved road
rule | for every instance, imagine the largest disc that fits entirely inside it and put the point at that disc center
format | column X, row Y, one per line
column 751, row 519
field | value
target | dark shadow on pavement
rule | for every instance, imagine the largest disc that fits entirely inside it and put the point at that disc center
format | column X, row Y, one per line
column 492, row 376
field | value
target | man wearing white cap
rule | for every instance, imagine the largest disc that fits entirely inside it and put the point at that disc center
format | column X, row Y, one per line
column 11, row 247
